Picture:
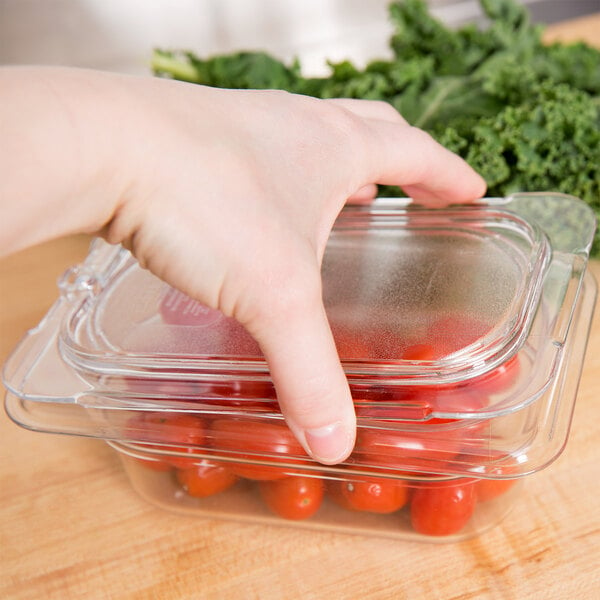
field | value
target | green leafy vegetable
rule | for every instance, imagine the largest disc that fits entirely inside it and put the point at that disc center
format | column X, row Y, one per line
column 523, row 113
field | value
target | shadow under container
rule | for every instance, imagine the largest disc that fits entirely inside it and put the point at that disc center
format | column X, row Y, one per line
column 462, row 332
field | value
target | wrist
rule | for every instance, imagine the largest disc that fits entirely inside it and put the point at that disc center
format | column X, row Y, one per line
column 60, row 148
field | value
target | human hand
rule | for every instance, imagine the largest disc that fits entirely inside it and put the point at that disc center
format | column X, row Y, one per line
column 230, row 196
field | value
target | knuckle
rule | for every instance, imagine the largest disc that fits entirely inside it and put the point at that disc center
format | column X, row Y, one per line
column 386, row 111
column 316, row 405
column 351, row 137
column 420, row 136
column 340, row 124
column 349, row 126
column 294, row 288
column 281, row 290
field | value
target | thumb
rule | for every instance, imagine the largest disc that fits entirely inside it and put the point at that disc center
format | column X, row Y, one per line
column 312, row 389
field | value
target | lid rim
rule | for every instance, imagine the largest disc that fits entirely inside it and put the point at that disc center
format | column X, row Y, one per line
column 486, row 352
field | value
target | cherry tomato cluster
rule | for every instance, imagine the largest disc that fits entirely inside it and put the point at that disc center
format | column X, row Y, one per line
column 266, row 455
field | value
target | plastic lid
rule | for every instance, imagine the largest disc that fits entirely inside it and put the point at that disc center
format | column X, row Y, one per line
column 465, row 282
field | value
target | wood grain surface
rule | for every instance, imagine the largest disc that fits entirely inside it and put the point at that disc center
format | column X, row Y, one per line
column 72, row 527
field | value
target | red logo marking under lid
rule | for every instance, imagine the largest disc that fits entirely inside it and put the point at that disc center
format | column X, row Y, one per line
column 178, row 309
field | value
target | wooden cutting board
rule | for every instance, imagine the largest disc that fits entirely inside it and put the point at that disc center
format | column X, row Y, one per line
column 71, row 526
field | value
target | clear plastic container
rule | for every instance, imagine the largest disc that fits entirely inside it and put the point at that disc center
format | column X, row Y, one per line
column 462, row 332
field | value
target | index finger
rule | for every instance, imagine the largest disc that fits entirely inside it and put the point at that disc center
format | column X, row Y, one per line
column 396, row 153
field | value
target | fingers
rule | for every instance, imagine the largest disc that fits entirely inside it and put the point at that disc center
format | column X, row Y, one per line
column 406, row 156
column 311, row 386
column 293, row 331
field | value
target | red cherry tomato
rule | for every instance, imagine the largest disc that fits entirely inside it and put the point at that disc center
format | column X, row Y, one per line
column 455, row 332
column 334, row 489
column 406, row 450
column 255, row 442
column 442, row 508
column 371, row 494
column 294, row 497
column 205, row 478
column 409, row 404
column 416, row 402
column 488, row 489
column 248, row 394
column 257, row 390
column 424, row 352
column 499, row 379
column 166, row 432
column 153, row 464
column 500, row 477
column 464, row 399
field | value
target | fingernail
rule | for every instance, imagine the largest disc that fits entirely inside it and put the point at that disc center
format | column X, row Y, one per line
column 329, row 444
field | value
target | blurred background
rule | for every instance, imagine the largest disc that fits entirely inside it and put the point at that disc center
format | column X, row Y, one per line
column 120, row 35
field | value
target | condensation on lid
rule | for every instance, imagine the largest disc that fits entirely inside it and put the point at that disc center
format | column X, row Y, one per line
column 465, row 281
